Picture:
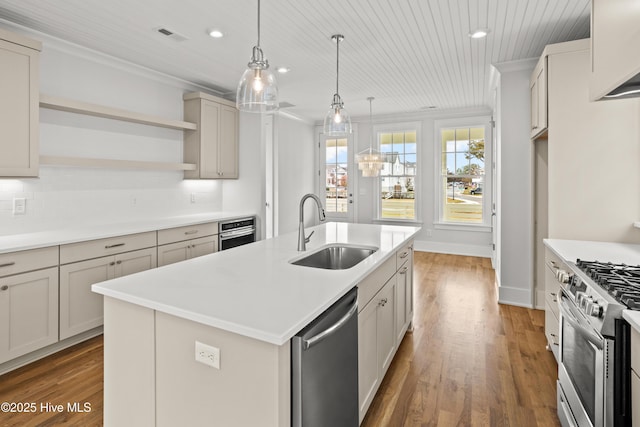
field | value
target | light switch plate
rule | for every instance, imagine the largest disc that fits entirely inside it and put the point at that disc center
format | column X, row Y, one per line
column 19, row 206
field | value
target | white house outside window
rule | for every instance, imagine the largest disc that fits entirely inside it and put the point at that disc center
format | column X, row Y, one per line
column 462, row 178
column 398, row 175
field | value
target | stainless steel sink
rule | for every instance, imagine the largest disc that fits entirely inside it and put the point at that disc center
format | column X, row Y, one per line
column 336, row 257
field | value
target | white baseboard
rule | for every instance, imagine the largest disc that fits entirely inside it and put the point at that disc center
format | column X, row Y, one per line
column 515, row 296
column 453, row 248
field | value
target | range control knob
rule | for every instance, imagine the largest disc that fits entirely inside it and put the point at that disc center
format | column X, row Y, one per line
column 562, row 276
column 594, row 309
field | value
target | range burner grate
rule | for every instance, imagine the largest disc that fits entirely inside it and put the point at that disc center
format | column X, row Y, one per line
column 621, row 281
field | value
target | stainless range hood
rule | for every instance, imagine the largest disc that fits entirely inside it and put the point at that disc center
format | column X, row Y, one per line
column 628, row 89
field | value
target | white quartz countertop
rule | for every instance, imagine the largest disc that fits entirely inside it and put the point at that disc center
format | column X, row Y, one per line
column 61, row 236
column 571, row 250
column 253, row 290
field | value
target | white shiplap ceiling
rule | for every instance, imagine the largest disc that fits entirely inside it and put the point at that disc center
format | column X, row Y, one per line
column 408, row 54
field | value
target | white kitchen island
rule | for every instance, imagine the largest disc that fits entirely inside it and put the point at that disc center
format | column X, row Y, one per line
column 248, row 302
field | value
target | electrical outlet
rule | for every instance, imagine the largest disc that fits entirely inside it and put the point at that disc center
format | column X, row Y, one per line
column 208, row 355
column 19, row 206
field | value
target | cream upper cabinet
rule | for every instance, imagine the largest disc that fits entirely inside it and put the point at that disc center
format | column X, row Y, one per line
column 538, row 88
column 213, row 147
column 615, row 36
column 19, row 105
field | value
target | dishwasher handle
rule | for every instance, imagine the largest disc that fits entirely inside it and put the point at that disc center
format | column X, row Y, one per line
column 308, row 343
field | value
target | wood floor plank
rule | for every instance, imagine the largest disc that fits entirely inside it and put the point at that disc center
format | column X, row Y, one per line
column 468, row 362
column 471, row 361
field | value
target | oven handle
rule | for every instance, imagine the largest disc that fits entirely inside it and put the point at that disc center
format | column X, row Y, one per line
column 587, row 333
column 236, row 233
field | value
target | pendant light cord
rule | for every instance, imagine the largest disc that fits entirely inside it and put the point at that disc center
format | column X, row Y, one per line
column 258, row 23
column 337, row 62
column 371, row 98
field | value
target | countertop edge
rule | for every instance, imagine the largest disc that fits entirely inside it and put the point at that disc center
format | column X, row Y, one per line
column 62, row 236
column 279, row 338
column 633, row 317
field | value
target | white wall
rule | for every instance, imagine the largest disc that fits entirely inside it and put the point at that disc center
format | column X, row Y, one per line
column 514, row 270
column 431, row 238
column 67, row 196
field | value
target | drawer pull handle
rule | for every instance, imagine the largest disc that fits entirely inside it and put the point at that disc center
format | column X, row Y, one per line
column 404, row 270
column 404, row 255
column 117, row 245
column 190, row 232
column 112, row 263
column 4, row 288
column 118, row 262
column 8, row 264
column 383, row 302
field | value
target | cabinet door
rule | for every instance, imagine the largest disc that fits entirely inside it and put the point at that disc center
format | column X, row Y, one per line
column 203, row 246
column 81, row 309
column 19, row 110
column 401, row 304
column 228, row 143
column 386, row 326
column 28, row 312
column 174, row 252
column 533, row 90
column 136, row 261
column 541, row 84
column 368, row 371
column 209, row 139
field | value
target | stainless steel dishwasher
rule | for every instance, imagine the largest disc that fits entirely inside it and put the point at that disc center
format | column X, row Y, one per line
column 324, row 368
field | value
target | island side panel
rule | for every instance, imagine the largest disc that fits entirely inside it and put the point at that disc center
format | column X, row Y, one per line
column 251, row 388
column 129, row 364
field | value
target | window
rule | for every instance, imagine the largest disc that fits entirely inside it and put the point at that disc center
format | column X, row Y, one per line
column 398, row 175
column 462, row 175
column 336, row 175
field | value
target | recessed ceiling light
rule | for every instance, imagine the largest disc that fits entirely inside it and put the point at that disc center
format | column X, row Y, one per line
column 479, row 33
column 216, row 34
column 283, row 69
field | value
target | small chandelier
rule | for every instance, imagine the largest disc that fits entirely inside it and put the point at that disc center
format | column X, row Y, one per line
column 258, row 90
column 337, row 122
column 370, row 161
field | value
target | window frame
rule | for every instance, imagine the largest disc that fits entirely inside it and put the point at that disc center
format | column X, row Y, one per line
column 417, row 182
column 455, row 123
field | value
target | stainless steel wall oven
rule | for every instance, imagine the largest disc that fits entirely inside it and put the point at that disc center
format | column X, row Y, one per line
column 236, row 233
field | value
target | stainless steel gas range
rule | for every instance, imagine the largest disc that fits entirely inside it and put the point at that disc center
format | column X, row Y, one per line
column 594, row 357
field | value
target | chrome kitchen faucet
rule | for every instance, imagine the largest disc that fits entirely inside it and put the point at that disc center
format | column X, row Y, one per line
column 302, row 240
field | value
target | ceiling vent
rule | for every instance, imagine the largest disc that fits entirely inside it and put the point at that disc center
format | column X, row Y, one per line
column 171, row 34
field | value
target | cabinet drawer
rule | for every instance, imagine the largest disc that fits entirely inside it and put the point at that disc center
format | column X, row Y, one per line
column 635, row 350
column 33, row 259
column 551, row 303
column 178, row 234
column 371, row 284
column 403, row 254
column 102, row 247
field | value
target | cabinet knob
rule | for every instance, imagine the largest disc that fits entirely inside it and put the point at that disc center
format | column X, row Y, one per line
column 112, row 263
column 4, row 288
column 383, row 302
column 118, row 262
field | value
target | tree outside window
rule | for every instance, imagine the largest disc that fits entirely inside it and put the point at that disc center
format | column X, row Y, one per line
column 462, row 174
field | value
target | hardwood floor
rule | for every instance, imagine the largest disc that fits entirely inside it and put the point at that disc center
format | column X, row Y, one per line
column 468, row 362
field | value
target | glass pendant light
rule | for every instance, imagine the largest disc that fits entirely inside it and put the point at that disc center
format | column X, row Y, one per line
column 337, row 122
column 258, row 90
column 370, row 160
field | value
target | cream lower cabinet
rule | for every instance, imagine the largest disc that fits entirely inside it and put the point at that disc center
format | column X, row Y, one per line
column 404, row 291
column 80, row 308
column 180, row 243
column 376, row 343
column 181, row 251
column 551, row 309
column 28, row 312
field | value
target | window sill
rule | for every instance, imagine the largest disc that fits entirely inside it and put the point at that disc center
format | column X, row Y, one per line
column 411, row 222
column 481, row 228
